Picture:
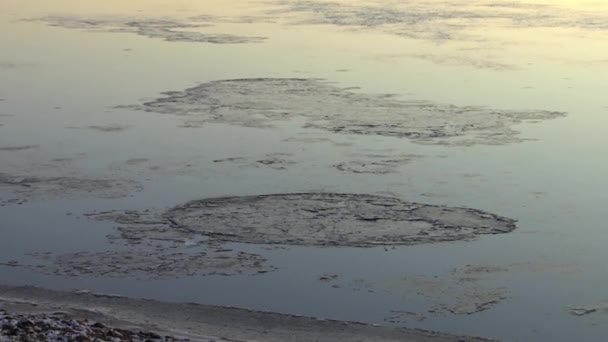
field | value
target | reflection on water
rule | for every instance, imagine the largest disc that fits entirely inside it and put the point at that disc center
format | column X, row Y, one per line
column 66, row 149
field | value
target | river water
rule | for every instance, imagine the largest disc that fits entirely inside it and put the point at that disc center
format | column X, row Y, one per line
column 66, row 65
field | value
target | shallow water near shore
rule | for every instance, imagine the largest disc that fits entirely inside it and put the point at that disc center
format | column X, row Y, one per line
column 67, row 93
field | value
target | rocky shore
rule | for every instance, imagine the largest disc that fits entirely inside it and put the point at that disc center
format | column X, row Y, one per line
column 62, row 328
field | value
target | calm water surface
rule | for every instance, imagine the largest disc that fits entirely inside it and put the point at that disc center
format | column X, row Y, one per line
column 53, row 79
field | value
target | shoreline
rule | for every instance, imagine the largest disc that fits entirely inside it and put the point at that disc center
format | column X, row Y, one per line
column 197, row 322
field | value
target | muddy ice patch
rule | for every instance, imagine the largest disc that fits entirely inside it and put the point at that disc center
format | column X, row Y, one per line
column 377, row 164
column 276, row 161
column 466, row 290
column 584, row 310
column 193, row 239
column 168, row 29
column 137, row 161
column 103, row 128
column 445, row 296
column 311, row 219
column 111, row 128
column 453, row 297
column 404, row 317
column 147, row 228
column 422, row 19
column 144, row 248
column 457, row 24
column 460, row 292
column 316, row 139
column 21, row 188
column 150, row 264
column 15, row 148
column 261, row 102
column 461, row 59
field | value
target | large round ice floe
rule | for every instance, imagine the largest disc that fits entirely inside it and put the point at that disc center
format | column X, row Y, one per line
column 331, row 219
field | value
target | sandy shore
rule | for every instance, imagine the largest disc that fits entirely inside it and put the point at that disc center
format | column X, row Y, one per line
column 198, row 322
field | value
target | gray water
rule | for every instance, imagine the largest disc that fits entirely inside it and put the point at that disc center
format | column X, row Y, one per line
column 54, row 81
